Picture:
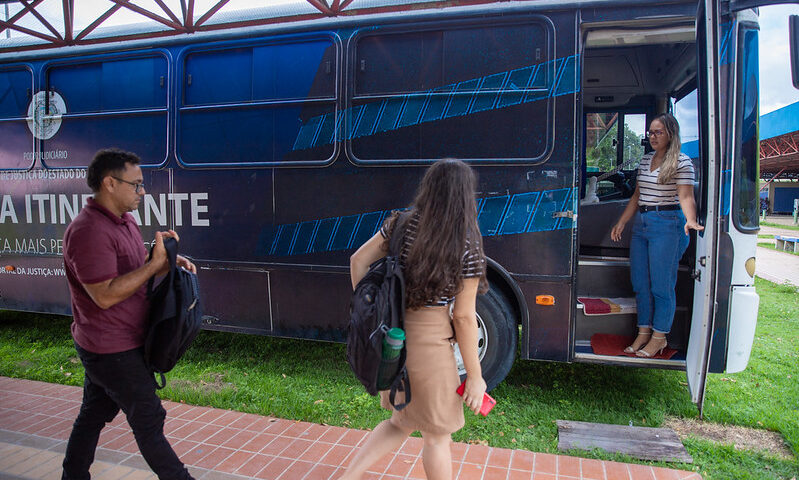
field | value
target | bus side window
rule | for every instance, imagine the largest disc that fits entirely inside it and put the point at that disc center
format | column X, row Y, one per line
column 16, row 84
column 433, row 94
column 119, row 101
column 269, row 102
column 685, row 111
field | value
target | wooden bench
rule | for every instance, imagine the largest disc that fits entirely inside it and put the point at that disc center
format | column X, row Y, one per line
column 788, row 244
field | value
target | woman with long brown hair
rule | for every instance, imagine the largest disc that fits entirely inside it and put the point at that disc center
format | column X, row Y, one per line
column 444, row 267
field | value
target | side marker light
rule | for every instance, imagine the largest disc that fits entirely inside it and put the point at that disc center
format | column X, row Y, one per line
column 750, row 266
column 545, row 300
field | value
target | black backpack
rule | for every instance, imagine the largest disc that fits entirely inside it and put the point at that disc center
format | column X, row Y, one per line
column 377, row 305
column 175, row 315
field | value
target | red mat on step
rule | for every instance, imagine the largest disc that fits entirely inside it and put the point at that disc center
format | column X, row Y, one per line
column 613, row 345
column 594, row 306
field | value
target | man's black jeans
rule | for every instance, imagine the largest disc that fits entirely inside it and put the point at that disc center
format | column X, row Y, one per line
column 112, row 382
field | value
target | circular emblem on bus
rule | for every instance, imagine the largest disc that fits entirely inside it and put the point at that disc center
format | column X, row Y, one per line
column 44, row 114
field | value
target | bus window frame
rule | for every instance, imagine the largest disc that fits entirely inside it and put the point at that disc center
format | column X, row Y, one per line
column 648, row 113
column 631, row 110
column 737, row 170
column 290, row 39
column 102, row 58
column 549, row 46
column 29, row 68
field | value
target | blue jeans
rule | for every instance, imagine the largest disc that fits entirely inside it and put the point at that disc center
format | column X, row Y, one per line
column 112, row 382
column 657, row 244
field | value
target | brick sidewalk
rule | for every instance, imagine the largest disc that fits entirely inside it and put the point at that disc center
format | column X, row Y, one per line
column 36, row 419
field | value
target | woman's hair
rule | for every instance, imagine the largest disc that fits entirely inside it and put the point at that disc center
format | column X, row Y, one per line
column 672, row 159
column 447, row 211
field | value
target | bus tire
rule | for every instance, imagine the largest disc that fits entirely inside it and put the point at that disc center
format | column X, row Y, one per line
column 497, row 338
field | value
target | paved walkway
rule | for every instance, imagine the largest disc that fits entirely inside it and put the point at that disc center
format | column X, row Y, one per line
column 773, row 265
column 36, row 418
column 776, row 266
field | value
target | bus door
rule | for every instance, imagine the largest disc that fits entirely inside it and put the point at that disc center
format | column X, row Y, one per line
column 724, row 315
column 707, row 208
column 621, row 94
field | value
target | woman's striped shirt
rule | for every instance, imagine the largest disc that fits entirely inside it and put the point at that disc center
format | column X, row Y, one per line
column 473, row 262
column 654, row 193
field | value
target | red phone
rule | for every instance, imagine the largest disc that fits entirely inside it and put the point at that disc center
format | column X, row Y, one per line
column 488, row 402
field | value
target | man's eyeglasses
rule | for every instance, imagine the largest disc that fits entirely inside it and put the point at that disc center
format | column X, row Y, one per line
column 137, row 186
column 655, row 133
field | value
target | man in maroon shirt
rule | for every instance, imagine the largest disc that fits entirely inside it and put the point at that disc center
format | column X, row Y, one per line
column 107, row 268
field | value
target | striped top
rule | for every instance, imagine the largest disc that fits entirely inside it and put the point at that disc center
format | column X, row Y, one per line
column 473, row 262
column 653, row 193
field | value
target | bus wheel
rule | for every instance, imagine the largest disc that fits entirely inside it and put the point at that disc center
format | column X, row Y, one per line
column 497, row 337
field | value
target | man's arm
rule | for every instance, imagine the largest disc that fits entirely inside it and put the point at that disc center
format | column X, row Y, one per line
column 108, row 293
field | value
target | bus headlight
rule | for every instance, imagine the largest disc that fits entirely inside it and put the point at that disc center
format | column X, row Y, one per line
column 750, row 266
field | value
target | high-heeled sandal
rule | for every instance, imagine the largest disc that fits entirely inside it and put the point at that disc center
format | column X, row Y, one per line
column 632, row 348
column 643, row 353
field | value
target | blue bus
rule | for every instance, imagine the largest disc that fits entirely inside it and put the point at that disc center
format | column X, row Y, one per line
column 276, row 140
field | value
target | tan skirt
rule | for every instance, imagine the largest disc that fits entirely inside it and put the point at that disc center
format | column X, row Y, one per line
column 435, row 407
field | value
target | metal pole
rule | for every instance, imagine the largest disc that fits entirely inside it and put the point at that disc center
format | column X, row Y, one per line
column 8, row 30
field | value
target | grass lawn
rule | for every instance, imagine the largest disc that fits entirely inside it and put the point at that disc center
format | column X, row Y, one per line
column 780, row 225
column 311, row 381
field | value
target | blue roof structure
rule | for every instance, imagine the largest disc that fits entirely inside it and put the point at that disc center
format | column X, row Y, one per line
column 773, row 124
column 780, row 121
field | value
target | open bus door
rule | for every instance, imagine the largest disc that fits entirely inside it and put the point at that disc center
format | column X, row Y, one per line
column 709, row 20
column 698, row 353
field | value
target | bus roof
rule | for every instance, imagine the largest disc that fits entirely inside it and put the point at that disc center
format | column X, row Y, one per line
column 41, row 24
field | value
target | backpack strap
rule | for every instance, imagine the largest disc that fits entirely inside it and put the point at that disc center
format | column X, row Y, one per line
column 401, row 384
column 398, row 233
column 162, row 383
column 171, row 247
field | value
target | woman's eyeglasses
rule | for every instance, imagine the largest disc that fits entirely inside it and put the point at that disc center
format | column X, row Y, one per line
column 655, row 133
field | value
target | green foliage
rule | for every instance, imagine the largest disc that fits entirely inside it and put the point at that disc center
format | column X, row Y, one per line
column 311, row 381
column 602, row 156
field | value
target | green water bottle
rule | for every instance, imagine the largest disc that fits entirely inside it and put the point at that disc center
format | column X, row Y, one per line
column 389, row 364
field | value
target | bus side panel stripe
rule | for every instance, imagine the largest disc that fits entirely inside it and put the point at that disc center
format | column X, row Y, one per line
column 367, row 226
column 565, row 222
column 302, row 241
column 501, row 215
column 549, row 203
column 344, row 232
column 519, row 212
column 491, row 214
column 324, row 234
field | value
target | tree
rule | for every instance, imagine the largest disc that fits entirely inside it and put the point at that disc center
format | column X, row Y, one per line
column 602, row 156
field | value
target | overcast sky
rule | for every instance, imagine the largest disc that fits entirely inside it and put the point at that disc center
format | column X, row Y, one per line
column 776, row 89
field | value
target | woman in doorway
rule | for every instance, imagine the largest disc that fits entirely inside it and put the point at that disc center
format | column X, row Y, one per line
column 665, row 211
column 444, row 267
